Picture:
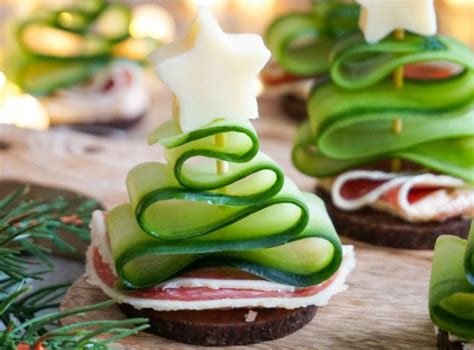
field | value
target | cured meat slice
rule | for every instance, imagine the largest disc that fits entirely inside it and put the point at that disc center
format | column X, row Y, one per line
column 414, row 197
column 160, row 292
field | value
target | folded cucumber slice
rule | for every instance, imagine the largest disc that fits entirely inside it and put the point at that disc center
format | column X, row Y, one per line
column 358, row 123
column 450, row 156
column 451, row 297
column 113, row 22
column 311, row 257
column 356, row 64
column 302, row 42
column 42, row 77
column 41, row 39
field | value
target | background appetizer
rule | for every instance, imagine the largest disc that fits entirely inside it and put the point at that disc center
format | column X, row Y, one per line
column 301, row 43
column 452, row 292
column 391, row 135
column 217, row 246
column 82, row 63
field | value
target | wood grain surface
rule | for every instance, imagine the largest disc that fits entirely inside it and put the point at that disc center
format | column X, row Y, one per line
column 384, row 308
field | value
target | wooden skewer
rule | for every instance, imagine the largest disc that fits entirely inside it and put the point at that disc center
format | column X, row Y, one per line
column 399, row 72
column 398, row 80
column 220, row 139
column 222, row 166
column 397, row 125
column 396, row 164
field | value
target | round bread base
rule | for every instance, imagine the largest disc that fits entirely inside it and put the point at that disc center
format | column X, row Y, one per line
column 105, row 128
column 380, row 228
column 294, row 107
column 223, row 326
column 445, row 344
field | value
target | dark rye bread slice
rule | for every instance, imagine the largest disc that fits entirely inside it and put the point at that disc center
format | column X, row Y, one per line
column 106, row 128
column 379, row 228
column 294, row 107
column 445, row 344
column 221, row 327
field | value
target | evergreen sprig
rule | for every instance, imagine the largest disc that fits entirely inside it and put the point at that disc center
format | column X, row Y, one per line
column 43, row 220
column 26, row 317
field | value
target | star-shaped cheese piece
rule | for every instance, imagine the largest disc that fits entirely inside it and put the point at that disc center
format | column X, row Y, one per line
column 211, row 73
column 379, row 18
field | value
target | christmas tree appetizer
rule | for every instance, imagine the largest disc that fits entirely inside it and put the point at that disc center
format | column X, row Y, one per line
column 301, row 43
column 81, row 63
column 217, row 246
column 452, row 292
column 392, row 135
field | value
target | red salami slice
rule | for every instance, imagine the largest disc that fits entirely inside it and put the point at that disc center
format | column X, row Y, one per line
column 404, row 194
column 431, row 71
column 201, row 293
column 355, row 189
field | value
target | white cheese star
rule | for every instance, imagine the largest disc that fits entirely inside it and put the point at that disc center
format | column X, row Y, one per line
column 379, row 18
column 212, row 73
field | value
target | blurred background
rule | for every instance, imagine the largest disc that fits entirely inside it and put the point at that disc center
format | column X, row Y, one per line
column 126, row 100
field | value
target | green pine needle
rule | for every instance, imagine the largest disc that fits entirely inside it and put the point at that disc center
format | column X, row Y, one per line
column 23, row 323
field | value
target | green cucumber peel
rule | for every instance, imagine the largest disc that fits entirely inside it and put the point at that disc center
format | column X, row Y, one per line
column 449, row 156
column 356, row 64
column 469, row 256
column 308, row 159
column 44, row 76
column 451, row 297
column 182, row 216
column 301, row 42
column 242, row 147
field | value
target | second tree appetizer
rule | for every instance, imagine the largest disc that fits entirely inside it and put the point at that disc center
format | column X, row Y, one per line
column 217, row 246
column 391, row 137
column 82, row 63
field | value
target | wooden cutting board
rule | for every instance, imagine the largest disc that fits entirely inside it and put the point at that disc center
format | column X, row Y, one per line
column 384, row 308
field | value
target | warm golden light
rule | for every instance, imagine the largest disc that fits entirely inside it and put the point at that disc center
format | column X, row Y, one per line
column 215, row 5
column 19, row 109
column 467, row 3
column 259, row 87
column 255, row 5
column 152, row 21
column 3, row 81
column 52, row 41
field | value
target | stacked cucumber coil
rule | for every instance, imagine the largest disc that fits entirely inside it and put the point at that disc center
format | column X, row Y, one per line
column 183, row 215
column 351, row 118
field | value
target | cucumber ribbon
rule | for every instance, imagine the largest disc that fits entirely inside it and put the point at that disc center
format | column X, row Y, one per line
column 451, row 299
column 301, row 42
column 183, row 215
column 58, row 49
column 351, row 118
